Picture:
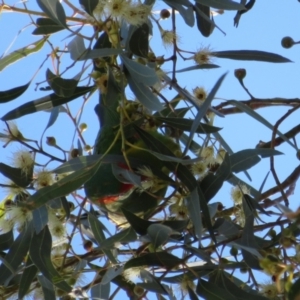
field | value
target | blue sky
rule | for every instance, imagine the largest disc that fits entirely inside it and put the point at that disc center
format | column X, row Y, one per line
column 260, row 29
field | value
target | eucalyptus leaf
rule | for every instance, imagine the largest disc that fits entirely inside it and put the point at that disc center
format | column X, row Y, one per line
column 89, row 6
column 198, row 67
column 45, row 103
column 251, row 55
column 222, row 4
column 46, row 26
column 8, row 95
column 61, row 87
column 54, row 10
column 21, row 53
column 40, row 254
column 140, row 73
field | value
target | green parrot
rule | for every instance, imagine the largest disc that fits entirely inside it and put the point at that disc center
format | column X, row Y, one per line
column 104, row 188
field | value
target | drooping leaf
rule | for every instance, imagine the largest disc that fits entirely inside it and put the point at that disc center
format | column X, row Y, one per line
column 140, row 73
column 260, row 119
column 40, row 254
column 21, row 53
column 89, row 6
column 125, row 236
column 28, row 276
column 159, row 259
column 151, row 283
column 40, row 218
column 212, row 291
column 203, row 109
column 139, row 41
column 245, row 159
column 111, row 273
column 193, row 206
column 47, row 288
column 96, row 227
column 16, row 175
column 144, row 95
column 186, row 124
column 159, row 234
column 198, row 67
column 46, row 26
column 252, row 55
column 45, row 103
column 138, row 224
column 6, row 240
column 205, row 27
column 222, row 4
column 14, row 93
column 61, row 87
column 52, row 118
column 54, row 10
column 294, row 291
column 186, row 13
column 16, row 254
column 211, row 183
column 100, row 290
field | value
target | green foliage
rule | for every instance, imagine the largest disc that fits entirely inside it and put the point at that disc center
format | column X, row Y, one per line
column 156, row 167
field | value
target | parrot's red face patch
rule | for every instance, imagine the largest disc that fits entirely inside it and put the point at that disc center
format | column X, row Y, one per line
column 125, row 187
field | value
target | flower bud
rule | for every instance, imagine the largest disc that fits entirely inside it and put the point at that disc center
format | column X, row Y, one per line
column 88, row 246
column 287, row 42
column 240, row 74
column 87, row 148
column 74, row 153
column 165, row 14
column 51, row 141
column 83, row 127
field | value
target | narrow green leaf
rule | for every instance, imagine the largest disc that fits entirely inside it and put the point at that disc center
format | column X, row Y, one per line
column 89, row 6
column 100, row 290
column 154, row 283
column 198, row 67
column 45, row 103
column 144, row 95
column 16, row 254
column 47, row 287
column 186, row 124
column 139, row 72
column 245, row 159
column 294, row 292
column 52, row 118
column 139, row 41
column 212, row 291
column 111, row 273
column 211, row 183
column 124, row 236
column 12, row 94
column 61, row 87
column 139, row 225
column 40, row 254
column 205, row 27
column 159, row 259
column 203, row 109
column 96, row 227
column 260, row 119
column 186, row 13
column 6, row 240
column 54, row 10
column 16, row 175
column 21, row 53
column 193, row 206
column 222, row 4
column 46, row 26
column 27, row 278
column 252, row 55
column 40, row 218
